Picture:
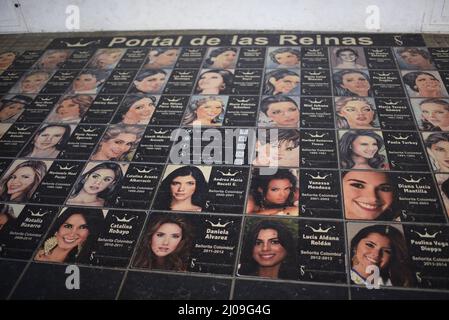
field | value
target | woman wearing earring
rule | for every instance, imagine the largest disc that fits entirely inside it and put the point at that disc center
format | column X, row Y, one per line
column 360, row 150
column 73, row 236
column 97, row 186
column 274, row 195
column 384, row 247
column 166, row 245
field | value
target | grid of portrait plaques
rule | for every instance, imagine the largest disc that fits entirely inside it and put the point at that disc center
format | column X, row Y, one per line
column 258, row 166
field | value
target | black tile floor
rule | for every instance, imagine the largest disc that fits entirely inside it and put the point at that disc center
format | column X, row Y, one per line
column 129, row 167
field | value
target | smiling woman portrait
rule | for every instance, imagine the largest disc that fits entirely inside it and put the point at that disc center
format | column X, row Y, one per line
column 382, row 246
column 72, row 237
column 269, row 251
column 19, row 184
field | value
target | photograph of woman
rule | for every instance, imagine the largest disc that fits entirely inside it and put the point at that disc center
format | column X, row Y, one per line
column 32, row 82
column 422, row 84
column 149, row 81
column 106, row 59
column 52, row 59
column 437, row 146
column 221, row 58
column 6, row 215
column 382, row 246
column 20, row 182
column 282, row 81
column 369, row 195
column 414, row 59
column 12, row 107
column 119, row 143
column 281, row 150
column 72, row 237
column 48, row 141
column 277, row 194
column 269, row 251
column 6, row 59
column 352, row 83
column 96, row 186
column 443, row 185
column 71, row 109
column 88, row 82
column 433, row 113
column 349, row 58
column 284, row 58
column 184, row 188
column 166, row 243
column 279, row 111
column 161, row 58
column 355, row 113
column 214, row 81
column 362, row 149
column 136, row 109
column 205, row 111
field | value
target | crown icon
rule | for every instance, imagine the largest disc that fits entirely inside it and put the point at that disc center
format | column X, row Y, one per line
column 123, row 73
column 320, row 229
column 391, row 103
column 184, row 73
column 79, row 44
column 90, row 130
column 65, row 74
column 107, row 99
column 383, row 74
column 46, row 99
column 144, row 170
column 316, row 135
column 243, row 100
column 378, row 50
column 412, row 180
column 66, row 168
column 219, row 224
column 400, row 137
column 248, row 73
column 193, row 50
column 315, row 101
column 426, row 235
column 229, row 173
column 318, row 176
column 442, row 50
column 160, row 131
column 252, row 50
column 38, row 213
column 313, row 73
column 173, row 100
column 124, row 219
column 314, row 50
column 23, row 129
